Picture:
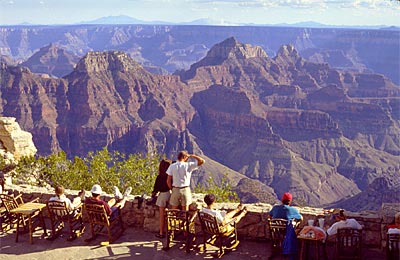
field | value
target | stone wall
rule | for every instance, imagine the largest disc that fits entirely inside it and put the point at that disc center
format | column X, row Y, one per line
column 253, row 225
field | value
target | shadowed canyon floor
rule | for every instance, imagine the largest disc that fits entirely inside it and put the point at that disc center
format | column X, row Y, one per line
column 133, row 244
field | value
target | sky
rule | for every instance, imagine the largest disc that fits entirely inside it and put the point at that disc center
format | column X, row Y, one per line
column 329, row 12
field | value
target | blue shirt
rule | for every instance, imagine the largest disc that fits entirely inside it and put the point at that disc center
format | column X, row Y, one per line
column 285, row 212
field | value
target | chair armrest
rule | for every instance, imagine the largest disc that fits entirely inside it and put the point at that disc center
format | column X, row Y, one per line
column 35, row 200
column 191, row 219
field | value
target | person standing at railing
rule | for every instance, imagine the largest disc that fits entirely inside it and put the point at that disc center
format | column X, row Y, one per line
column 179, row 174
column 164, row 193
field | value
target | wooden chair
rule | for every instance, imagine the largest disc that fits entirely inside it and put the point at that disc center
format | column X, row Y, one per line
column 59, row 215
column 393, row 247
column 222, row 236
column 4, row 225
column 277, row 231
column 11, row 202
column 180, row 222
column 348, row 243
column 102, row 224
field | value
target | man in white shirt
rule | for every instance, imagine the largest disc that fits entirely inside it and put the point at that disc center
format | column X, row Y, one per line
column 178, row 180
column 60, row 196
column 222, row 216
column 346, row 223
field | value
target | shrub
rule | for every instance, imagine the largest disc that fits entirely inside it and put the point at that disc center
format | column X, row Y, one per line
column 223, row 190
column 102, row 167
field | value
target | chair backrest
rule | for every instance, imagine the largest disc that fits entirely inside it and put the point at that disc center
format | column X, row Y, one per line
column 349, row 243
column 176, row 219
column 58, row 209
column 209, row 223
column 97, row 214
column 277, row 229
column 393, row 246
column 9, row 202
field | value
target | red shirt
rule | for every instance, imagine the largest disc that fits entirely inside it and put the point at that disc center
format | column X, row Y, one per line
column 92, row 200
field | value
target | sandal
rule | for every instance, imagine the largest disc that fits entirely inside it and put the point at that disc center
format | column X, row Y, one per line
column 160, row 235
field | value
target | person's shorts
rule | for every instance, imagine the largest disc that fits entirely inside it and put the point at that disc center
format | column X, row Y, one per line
column 163, row 198
column 181, row 196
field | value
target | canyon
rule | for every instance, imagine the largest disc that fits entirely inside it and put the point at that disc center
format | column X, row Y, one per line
column 270, row 123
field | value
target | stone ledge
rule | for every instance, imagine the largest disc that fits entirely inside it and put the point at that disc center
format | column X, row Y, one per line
column 253, row 225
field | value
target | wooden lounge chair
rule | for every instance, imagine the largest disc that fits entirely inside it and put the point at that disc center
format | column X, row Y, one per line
column 102, row 224
column 11, row 202
column 180, row 223
column 59, row 215
column 222, row 236
column 348, row 243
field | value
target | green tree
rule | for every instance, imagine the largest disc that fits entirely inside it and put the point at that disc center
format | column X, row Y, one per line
column 222, row 190
column 101, row 167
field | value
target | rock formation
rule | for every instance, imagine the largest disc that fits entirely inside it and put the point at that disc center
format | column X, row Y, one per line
column 14, row 142
column 178, row 47
column 286, row 122
column 52, row 60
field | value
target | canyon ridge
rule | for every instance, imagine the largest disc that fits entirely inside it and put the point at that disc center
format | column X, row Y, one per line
column 271, row 124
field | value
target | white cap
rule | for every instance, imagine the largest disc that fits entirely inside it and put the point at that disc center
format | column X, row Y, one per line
column 96, row 189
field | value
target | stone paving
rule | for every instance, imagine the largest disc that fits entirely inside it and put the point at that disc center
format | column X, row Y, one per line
column 133, row 244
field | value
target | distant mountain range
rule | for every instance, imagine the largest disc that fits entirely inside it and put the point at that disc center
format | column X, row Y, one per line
column 124, row 19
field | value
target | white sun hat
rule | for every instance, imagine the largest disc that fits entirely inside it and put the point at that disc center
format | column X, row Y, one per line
column 96, row 189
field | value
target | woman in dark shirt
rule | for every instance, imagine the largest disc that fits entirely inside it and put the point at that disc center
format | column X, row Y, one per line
column 161, row 187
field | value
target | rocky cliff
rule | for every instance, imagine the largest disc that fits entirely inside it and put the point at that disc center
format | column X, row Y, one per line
column 52, row 60
column 14, row 142
column 178, row 47
column 288, row 123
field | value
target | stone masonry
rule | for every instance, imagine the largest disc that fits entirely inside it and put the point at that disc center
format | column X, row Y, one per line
column 253, row 225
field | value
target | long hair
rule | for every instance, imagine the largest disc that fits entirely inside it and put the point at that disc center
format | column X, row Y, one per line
column 163, row 167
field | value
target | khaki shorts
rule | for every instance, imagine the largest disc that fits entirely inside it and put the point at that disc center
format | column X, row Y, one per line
column 163, row 198
column 181, row 196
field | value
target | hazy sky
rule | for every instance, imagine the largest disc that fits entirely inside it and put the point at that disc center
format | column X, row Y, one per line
column 341, row 12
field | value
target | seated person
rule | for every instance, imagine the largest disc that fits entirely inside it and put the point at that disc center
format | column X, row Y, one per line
column 112, row 205
column 60, row 196
column 343, row 222
column 395, row 227
column 222, row 216
column 285, row 211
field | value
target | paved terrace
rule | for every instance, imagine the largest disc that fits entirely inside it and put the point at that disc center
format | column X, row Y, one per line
column 135, row 243
column 139, row 241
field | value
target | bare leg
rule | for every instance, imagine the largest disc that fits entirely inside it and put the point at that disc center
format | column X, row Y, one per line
column 175, row 207
column 120, row 203
column 76, row 201
column 185, row 207
column 111, row 202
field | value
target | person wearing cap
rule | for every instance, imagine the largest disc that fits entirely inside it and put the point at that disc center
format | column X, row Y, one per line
column 112, row 205
column 285, row 211
column 60, row 196
column 343, row 222
column 178, row 180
